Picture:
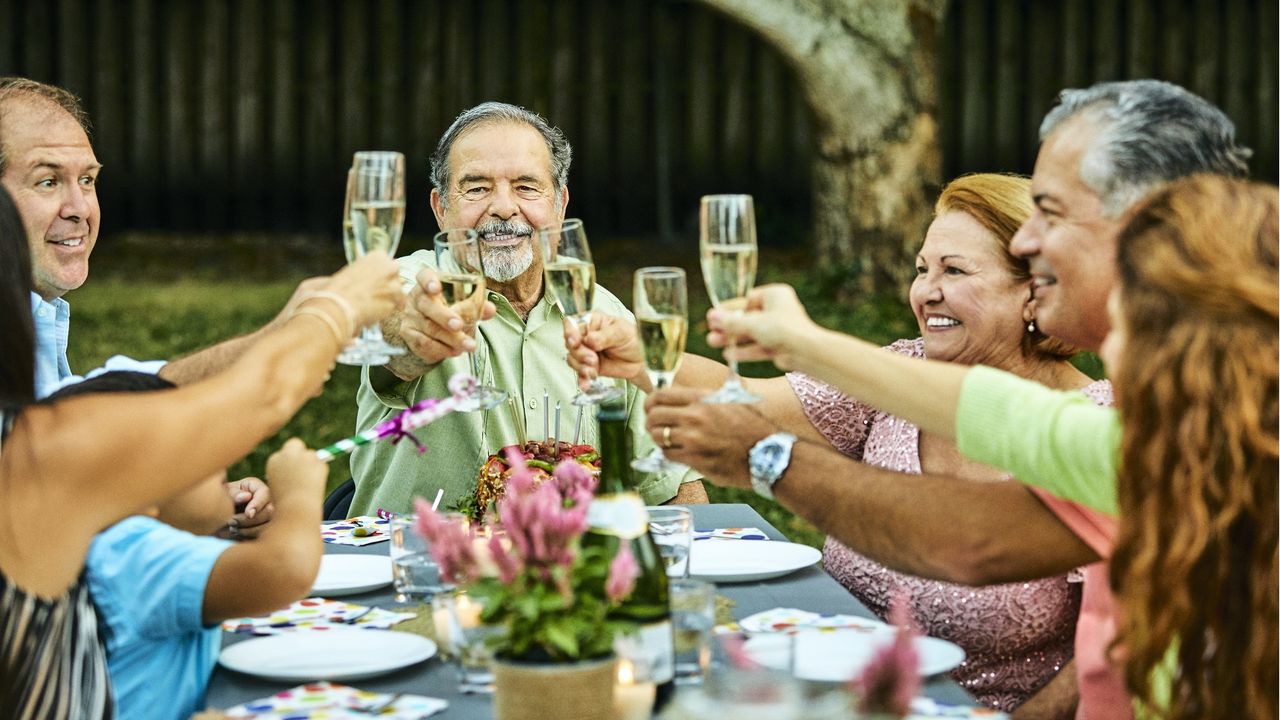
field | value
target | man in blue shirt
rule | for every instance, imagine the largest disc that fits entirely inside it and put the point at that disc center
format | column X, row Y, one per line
column 49, row 168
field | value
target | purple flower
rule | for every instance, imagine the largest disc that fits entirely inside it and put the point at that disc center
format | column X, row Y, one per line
column 623, row 572
column 891, row 679
column 450, row 544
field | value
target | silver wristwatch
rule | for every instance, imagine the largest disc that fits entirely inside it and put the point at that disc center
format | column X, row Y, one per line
column 768, row 459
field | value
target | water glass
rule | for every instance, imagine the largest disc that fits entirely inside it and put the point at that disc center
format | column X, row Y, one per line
column 468, row 639
column 741, row 694
column 415, row 572
column 693, row 615
column 672, row 531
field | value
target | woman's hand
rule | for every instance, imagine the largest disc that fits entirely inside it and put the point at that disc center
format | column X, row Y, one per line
column 610, row 347
column 372, row 287
column 768, row 328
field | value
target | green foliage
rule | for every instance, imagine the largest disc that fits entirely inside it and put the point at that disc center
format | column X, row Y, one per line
column 563, row 618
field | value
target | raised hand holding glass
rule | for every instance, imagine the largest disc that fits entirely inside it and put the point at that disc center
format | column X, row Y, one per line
column 375, row 209
column 460, row 264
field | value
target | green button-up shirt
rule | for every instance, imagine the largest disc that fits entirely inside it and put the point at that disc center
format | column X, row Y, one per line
column 522, row 357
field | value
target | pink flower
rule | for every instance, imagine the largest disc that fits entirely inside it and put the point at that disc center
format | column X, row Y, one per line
column 508, row 566
column 543, row 531
column 891, row 679
column 575, row 483
column 449, row 543
column 623, row 572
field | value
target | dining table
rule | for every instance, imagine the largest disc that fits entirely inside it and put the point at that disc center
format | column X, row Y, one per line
column 810, row 589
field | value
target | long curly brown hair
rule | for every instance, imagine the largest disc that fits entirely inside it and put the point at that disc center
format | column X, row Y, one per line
column 1195, row 560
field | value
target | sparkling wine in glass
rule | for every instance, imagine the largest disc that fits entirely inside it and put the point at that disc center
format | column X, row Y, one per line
column 727, row 243
column 375, row 210
column 460, row 266
column 662, row 318
column 571, row 281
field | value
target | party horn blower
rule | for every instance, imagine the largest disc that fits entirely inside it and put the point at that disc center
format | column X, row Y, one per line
column 461, row 387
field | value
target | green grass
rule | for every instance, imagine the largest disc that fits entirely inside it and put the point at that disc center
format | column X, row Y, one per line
column 119, row 313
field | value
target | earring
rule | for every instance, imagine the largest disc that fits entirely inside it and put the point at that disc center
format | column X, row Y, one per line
column 1031, row 327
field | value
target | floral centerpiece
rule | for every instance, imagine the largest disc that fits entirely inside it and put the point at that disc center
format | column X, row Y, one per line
column 534, row 576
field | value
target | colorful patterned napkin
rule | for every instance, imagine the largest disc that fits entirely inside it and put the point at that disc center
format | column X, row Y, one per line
column 330, row 701
column 787, row 619
column 923, row 708
column 356, row 531
column 316, row 614
column 749, row 533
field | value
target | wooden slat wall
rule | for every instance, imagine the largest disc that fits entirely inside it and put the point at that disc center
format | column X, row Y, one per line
column 217, row 115
column 1009, row 58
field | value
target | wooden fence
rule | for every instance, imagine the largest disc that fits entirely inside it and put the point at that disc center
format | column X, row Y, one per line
column 242, row 114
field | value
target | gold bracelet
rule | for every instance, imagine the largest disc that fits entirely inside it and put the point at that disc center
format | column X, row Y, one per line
column 343, row 304
column 327, row 319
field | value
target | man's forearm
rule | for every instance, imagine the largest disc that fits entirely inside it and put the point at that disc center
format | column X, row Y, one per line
column 932, row 526
column 690, row 493
column 203, row 363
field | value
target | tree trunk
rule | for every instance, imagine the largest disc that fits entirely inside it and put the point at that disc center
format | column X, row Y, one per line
column 868, row 70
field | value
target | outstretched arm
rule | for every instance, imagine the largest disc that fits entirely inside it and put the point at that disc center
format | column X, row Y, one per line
column 107, row 457
column 776, row 327
column 928, row 525
column 297, row 478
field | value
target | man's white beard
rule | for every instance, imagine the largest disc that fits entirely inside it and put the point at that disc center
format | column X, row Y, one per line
column 504, row 264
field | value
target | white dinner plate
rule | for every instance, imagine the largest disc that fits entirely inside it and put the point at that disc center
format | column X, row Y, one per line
column 350, row 574
column 748, row 560
column 337, row 654
column 839, row 655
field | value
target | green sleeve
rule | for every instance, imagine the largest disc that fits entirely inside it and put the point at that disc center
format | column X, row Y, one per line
column 1059, row 441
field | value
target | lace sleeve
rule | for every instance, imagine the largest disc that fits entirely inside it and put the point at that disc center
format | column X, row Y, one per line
column 842, row 420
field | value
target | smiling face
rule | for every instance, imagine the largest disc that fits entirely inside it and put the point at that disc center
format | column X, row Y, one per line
column 969, row 306
column 1070, row 246
column 501, row 186
column 52, row 175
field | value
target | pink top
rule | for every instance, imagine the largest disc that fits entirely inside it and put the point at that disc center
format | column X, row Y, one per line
column 1102, row 692
column 1016, row 636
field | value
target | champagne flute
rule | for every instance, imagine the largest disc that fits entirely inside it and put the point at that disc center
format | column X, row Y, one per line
column 571, row 281
column 376, row 212
column 662, row 317
column 727, row 244
column 460, row 265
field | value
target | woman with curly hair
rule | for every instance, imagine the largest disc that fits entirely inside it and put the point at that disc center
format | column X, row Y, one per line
column 1188, row 459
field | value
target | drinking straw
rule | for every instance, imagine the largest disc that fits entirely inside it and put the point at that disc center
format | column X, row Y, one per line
column 461, row 387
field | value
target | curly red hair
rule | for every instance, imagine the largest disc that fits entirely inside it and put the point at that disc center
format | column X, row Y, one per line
column 1195, row 561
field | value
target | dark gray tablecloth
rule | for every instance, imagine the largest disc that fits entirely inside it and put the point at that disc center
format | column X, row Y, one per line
column 810, row 589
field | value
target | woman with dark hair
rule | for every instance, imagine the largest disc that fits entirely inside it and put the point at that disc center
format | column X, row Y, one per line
column 1188, row 459
column 98, row 459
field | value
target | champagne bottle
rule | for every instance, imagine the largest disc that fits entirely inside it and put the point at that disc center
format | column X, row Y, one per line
column 617, row 515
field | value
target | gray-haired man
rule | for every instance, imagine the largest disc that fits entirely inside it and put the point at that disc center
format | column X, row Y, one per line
column 501, row 170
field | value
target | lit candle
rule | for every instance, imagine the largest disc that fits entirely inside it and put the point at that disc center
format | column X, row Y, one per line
column 468, row 611
column 632, row 700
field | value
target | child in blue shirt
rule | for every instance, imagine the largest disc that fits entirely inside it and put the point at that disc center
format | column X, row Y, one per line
column 162, row 591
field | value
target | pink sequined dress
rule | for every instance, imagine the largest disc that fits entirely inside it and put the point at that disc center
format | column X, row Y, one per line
column 1015, row 636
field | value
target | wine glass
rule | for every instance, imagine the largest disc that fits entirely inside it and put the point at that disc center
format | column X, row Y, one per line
column 662, row 317
column 727, row 244
column 375, row 210
column 460, row 265
column 571, row 282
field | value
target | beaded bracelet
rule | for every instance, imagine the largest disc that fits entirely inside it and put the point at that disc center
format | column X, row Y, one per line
column 327, row 319
column 343, row 304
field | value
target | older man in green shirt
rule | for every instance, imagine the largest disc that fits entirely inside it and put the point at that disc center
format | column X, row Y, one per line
column 502, row 171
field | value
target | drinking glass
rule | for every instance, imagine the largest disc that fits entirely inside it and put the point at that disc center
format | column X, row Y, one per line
column 467, row 638
column 415, row 573
column 375, row 211
column 662, row 318
column 571, row 282
column 672, row 531
column 460, row 265
column 693, row 615
column 727, row 243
